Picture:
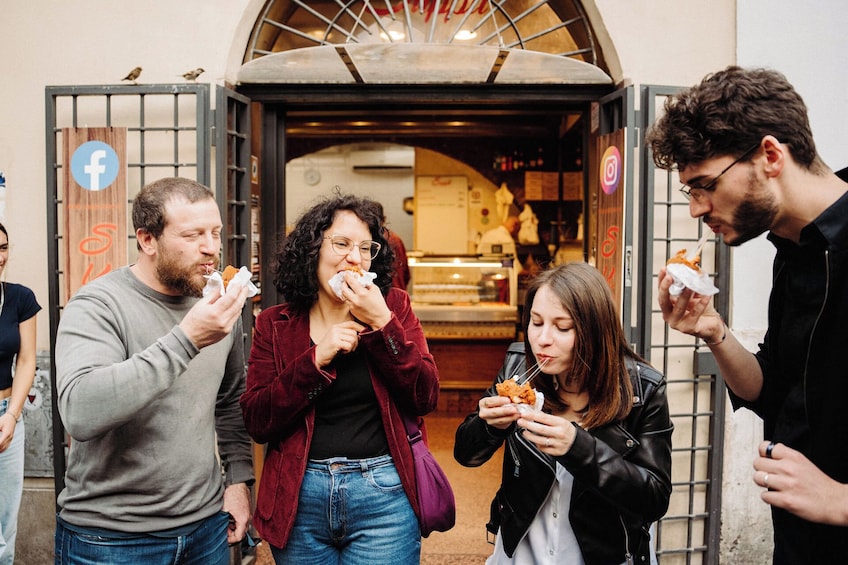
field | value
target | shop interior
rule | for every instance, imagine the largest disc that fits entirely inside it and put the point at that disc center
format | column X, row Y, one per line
column 444, row 179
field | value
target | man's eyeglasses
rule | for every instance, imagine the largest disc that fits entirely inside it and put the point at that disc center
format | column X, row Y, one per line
column 344, row 246
column 711, row 186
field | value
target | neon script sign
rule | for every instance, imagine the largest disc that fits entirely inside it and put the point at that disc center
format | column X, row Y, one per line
column 447, row 9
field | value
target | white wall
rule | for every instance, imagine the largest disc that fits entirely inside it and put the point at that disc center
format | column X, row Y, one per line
column 89, row 42
column 807, row 43
column 388, row 188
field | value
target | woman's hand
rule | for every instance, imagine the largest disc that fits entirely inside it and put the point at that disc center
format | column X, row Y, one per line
column 7, row 430
column 498, row 411
column 342, row 338
column 366, row 304
column 553, row 435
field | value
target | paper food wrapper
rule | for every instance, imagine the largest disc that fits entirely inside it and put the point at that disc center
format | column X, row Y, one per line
column 214, row 283
column 366, row 279
column 540, row 401
column 686, row 277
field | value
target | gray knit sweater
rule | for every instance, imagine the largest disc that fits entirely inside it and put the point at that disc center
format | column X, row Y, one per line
column 144, row 408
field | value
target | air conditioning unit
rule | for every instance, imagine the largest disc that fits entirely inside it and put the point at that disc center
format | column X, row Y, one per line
column 382, row 160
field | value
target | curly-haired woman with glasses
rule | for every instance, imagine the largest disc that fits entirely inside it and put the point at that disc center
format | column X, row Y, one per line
column 330, row 372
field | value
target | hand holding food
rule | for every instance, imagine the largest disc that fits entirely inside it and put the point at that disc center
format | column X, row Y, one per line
column 522, row 395
column 218, row 282
column 366, row 279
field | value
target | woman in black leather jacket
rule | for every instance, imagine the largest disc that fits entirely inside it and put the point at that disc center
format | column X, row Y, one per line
column 598, row 452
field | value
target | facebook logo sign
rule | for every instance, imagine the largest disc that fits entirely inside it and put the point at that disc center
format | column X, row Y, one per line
column 94, row 165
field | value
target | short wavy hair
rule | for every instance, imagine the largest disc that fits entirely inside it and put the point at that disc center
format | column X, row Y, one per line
column 148, row 209
column 295, row 273
column 729, row 112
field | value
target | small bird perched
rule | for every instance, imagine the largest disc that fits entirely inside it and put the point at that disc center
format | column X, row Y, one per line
column 133, row 74
column 192, row 75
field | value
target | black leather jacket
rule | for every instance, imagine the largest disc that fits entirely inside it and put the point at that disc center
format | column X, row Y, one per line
column 622, row 472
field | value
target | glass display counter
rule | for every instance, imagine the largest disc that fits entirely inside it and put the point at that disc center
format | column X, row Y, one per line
column 465, row 297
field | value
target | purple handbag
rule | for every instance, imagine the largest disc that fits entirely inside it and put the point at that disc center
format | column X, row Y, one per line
column 435, row 495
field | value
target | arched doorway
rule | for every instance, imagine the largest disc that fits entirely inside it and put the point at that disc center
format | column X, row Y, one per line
column 397, row 72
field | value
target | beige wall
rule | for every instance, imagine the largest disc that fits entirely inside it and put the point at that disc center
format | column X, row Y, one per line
column 91, row 42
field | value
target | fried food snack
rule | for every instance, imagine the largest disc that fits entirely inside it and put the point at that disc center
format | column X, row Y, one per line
column 694, row 263
column 519, row 394
column 228, row 273
column 687, row 274
column 355, row 268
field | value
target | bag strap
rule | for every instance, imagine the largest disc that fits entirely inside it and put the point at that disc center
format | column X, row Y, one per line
column 413, row 432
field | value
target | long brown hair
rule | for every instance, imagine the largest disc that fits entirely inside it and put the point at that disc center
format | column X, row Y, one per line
column 600, row 347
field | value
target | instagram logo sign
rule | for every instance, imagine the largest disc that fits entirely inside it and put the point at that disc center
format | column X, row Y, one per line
column 610, row 173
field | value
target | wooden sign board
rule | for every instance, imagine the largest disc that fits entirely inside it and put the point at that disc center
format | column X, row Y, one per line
column 609, row 187
column 95, row 197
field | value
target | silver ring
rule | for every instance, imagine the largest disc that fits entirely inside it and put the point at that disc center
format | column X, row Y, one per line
column 547, row 442
column 765, row 480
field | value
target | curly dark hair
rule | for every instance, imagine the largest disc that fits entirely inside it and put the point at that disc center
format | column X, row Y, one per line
column 295, row 273
column 729, row 112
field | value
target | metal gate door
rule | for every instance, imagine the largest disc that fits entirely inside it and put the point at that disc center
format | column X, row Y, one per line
column 169, row 133
column 689, row 533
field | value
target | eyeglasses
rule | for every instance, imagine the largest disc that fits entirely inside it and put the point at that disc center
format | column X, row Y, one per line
column 344, row 246
column 711, row 186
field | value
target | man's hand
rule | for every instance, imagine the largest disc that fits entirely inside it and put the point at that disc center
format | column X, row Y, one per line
column 794, row 483
column 689, row 313
column 213, row 317
column 237, row 503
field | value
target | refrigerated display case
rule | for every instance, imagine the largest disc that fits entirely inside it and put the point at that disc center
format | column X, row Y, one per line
column 465, row 296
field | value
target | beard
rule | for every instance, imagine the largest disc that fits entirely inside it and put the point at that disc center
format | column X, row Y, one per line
column 755, row 215
column 183, row 279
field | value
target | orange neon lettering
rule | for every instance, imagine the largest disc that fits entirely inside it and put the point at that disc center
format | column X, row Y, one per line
column 87, row 276
column 95, row 245
column 610, row 244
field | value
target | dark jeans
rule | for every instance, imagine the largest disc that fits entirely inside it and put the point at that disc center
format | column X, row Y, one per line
column 206, row 545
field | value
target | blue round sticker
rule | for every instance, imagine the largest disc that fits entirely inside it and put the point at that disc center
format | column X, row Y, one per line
column 94, row 165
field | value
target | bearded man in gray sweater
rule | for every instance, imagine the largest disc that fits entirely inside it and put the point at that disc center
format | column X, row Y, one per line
column 149, row 374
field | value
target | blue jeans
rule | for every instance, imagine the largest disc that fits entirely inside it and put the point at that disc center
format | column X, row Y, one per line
column 206, row 545
column 352, row 511
column 11, row 488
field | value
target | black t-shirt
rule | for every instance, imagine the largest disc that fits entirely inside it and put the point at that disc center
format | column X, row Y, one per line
column 19, row 305
column 347, row 415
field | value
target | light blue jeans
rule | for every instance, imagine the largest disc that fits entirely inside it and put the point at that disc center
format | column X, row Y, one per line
column 11, row 488
column 352, row 512
column 206, row 545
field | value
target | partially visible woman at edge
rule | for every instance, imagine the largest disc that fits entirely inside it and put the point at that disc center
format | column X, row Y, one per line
column 328, row 378
column 599, row 451
column 18, row 308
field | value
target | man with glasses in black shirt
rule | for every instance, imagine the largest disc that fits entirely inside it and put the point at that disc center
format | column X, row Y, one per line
column 742, row 145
